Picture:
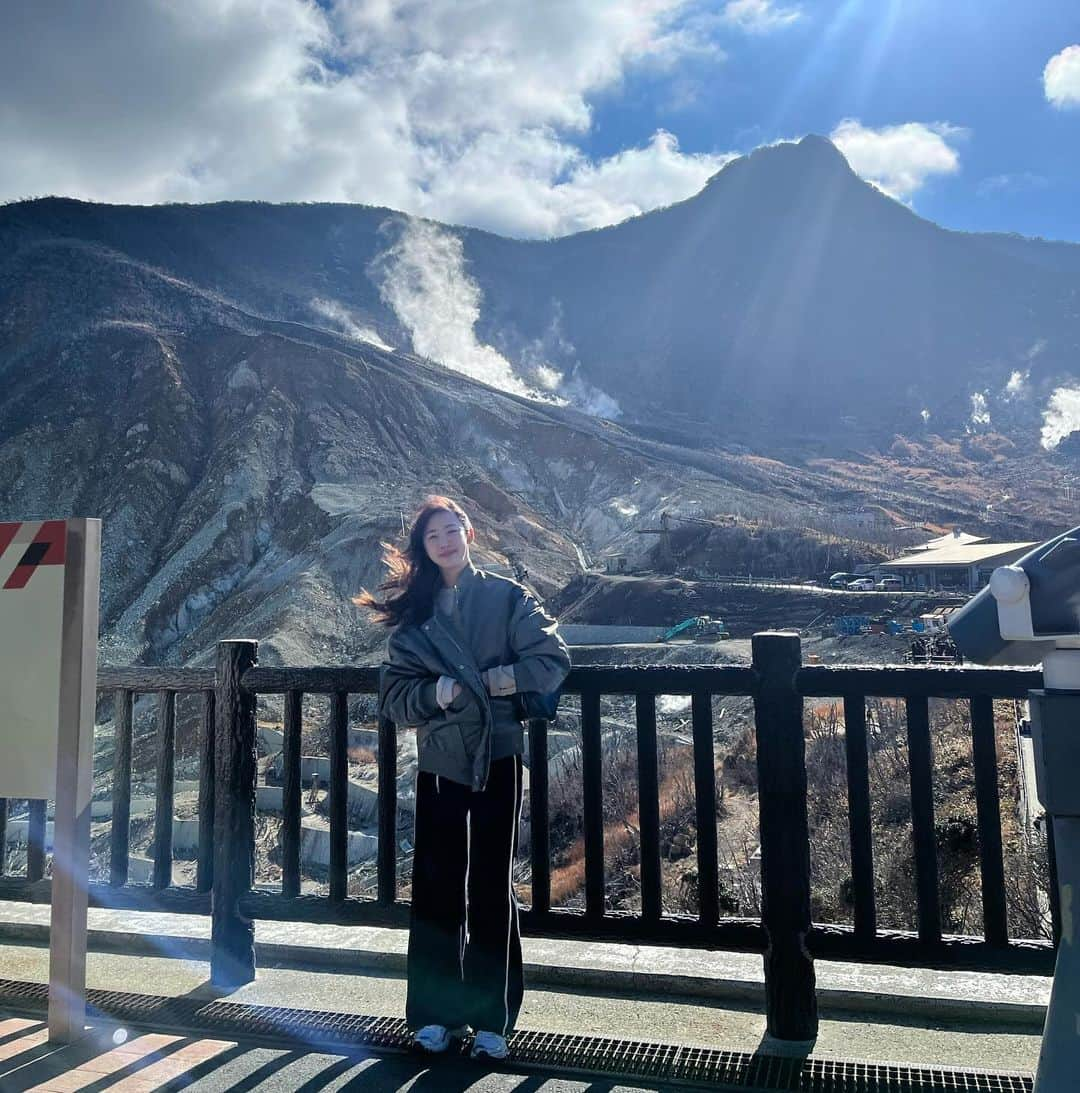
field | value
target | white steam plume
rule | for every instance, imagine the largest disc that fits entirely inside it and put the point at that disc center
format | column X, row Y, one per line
column 340, row 317
column 538, row 358
column 980, row 412
column 1017, row 383
column 1061, row 416
column 423, row 279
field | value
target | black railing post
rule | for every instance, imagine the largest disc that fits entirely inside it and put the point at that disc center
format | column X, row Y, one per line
column 204, row 867
column 36, row 834
column 790, row 997
column 387, row 849
column 539, row 835
column 339, row 796
column 860, row 830
column 290, row 794
column 705, row 799
column 923, row 831
column 991, row 865
column 164, row 792
column 648, row 808
column 593, row 803
column 120, row 833
column 232, row 936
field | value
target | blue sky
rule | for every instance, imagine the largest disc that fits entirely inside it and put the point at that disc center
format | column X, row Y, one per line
column 976, row 65
column 542, row 117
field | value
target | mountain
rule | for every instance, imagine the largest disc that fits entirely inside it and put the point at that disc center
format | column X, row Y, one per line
column 787, row 278
column 218, row 384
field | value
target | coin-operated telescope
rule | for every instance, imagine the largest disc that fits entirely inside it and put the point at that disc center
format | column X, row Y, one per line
column 1029, row 613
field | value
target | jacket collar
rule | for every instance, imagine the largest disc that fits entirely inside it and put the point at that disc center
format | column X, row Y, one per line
column 466, row 578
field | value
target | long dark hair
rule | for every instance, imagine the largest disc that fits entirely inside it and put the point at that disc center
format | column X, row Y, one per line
column 413, row 577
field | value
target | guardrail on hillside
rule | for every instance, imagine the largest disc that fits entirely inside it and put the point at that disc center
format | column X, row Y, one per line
column 776, row 681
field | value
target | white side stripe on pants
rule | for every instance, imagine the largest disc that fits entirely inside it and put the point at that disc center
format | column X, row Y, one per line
column 511, row 902
column 464, row 933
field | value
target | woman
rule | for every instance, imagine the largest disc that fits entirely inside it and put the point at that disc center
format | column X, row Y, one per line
column 464, row 644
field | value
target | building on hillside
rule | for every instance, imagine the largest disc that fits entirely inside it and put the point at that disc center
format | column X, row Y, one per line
column 955, row 566
column 861, row 520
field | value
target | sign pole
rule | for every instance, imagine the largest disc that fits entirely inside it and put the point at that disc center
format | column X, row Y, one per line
column 74, row 781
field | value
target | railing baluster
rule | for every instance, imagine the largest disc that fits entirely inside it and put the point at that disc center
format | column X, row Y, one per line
column 120, row 831
column 291, row 791
column 705, row 801
column 339, row 795
column 539, row 836
column 984, row 760
column 3, row 836
column 204, row 864
column 35, row 840
column 163, row 796
column 592, row 794
column 387, row 849
column 648, row 807
column 859, row 827
column 920, row 764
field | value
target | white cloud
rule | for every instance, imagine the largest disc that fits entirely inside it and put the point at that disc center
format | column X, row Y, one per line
column 759, row 16
column 899, row 159
column 524, row 184
column 467, row 112
column 1061, row 78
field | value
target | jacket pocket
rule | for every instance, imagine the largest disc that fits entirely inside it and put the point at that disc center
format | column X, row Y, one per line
column 456, row 738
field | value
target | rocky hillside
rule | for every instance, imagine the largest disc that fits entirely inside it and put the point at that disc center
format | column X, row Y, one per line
column 247, row 470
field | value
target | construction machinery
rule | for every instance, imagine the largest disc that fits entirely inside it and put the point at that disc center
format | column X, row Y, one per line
column 698, row 628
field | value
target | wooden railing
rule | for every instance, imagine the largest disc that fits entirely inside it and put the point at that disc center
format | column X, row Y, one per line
column 776, row 681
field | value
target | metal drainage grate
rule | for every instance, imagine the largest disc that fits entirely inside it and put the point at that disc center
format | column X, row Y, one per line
column 592, row 1055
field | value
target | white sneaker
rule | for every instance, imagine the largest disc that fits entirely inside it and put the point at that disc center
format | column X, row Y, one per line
column 432, row 1038
column 489, row 1045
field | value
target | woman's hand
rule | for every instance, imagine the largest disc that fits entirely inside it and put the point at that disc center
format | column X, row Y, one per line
column 447, row 692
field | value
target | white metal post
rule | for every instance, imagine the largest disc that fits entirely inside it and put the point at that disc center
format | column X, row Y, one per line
column 74, row 781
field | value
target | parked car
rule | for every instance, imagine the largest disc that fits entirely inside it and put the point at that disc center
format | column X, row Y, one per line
column 862, row 584
column 889, row 584
column 841, row 580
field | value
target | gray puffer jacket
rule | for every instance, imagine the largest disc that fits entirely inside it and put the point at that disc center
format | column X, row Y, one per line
column 494, row 622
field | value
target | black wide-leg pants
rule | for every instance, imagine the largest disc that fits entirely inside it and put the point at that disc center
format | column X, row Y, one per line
column 464, row 962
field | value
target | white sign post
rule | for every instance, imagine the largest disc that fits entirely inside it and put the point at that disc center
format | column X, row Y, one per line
column 49, row 580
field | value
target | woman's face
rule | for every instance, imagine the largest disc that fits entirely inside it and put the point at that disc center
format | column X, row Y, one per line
column 446, row 542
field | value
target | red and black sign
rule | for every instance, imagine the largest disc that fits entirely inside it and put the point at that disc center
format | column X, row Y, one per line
column 45, row 548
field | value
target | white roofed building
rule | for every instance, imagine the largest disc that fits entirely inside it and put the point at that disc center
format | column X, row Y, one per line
column 954, row 566
column 950, row 538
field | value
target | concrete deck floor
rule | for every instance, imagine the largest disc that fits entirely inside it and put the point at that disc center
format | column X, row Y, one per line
column 690, row 997
column 140, row 1063
column 640, row 1015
